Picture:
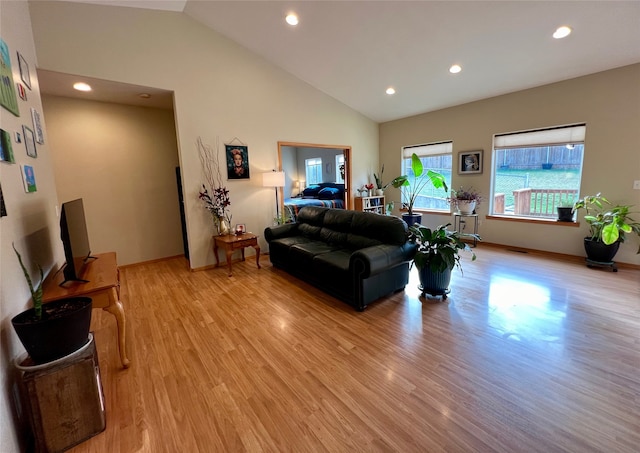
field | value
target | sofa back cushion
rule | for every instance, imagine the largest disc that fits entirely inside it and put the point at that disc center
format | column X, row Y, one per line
column 351, row 229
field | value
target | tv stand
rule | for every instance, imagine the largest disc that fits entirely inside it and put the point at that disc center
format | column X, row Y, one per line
column 102, row 285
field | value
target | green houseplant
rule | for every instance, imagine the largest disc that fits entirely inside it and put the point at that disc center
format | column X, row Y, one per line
column 608, row 226
column 438, row 252
column 411, row 189
column 55, row 329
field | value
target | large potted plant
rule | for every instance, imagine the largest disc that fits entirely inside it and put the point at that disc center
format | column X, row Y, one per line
column 55, row 329
column 438, row 252
column 412, row 187
column 608, row 226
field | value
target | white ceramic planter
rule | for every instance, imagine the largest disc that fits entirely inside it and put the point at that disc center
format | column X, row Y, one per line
column 466, row 207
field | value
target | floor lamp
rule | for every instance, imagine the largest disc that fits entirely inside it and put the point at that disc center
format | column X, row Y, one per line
column 274, row 179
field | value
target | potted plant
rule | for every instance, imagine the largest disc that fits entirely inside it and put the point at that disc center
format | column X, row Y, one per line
column 380, row 186
column 411, row 189
column 465, row 200
column 608, row 227
column 437, row 253
column 565, row 209
column 55, row 329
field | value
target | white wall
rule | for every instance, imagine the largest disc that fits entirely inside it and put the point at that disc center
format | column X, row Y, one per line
column 121, row 161
column 31, row 223
column 221, row 90
column 609, row 104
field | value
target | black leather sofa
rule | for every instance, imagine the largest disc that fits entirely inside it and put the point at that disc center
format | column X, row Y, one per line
column 357, row 257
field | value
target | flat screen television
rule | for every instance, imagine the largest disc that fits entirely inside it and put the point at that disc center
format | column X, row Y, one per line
column 75, row 239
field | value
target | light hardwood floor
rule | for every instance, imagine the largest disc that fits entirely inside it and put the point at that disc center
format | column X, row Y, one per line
column 528, row 354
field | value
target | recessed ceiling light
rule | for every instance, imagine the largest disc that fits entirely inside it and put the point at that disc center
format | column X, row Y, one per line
column 81, row 86
column 391, row 90
column 562, row 32
column 144, row 95
column 292, row 19
column 456, row 68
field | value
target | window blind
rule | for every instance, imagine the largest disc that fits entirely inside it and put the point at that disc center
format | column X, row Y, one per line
column 542, row 137
column 427, row 150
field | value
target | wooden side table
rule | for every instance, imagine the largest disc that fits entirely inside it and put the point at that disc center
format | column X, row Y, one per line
column 232, row 242
column 103, row 287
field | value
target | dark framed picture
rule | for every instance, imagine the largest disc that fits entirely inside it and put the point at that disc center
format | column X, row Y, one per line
column 29, row 141
column 6, row 150
column 37, row 126
column 3, row 209
column 237, row 162
column 470, row 162
column 24, row 70
column 241, row 228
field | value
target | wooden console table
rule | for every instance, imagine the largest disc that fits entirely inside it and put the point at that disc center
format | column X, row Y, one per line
column 232, row 242
column 103, row 287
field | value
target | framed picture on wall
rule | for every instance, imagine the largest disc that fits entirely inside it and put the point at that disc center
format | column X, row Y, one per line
column 237, row 162
column 37, row 126
column 29, row 141
column 470, row 162
column 24, row 70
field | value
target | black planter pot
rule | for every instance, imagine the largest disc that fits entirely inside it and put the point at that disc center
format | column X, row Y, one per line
column 434, row 283
column 599, row 252
column 412, row 219
column 565, row 214
column 63, row 329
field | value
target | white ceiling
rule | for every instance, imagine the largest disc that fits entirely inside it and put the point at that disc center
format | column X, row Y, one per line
column 354, row 50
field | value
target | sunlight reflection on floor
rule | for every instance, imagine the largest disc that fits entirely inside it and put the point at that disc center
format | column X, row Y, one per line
column 522, row 310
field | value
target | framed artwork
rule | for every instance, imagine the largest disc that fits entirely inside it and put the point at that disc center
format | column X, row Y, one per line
column 241, row 228
column 29, row 141
column 3, row 209
column 6, row 150
column 37, row 126
column 21, row 91
column 29, row 179
column 24, row 70
column 470, row 162
column 237, row 162
column 8, row 96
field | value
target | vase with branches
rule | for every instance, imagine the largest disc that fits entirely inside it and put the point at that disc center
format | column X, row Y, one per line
column 214, row 195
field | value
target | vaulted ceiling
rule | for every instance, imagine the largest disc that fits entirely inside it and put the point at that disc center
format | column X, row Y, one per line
column 355, row 50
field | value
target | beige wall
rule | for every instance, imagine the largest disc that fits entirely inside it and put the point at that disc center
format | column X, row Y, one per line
column 31, row 223
column 221, row 90
column 121, row 161
column 609, row 104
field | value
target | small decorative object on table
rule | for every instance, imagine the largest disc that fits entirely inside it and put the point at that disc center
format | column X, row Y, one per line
column 240, row 229
column 369, row 188
column 465, row 200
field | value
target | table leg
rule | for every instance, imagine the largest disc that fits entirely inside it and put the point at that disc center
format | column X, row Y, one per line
column 116, row 309
column 229, row 253
column 257, row 249
column 215, row 252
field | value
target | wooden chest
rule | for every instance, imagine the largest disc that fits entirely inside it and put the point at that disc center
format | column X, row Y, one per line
column 64, row 401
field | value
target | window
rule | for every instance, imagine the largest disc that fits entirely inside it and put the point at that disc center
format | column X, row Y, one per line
column 339, row 163
column 536, row 171
column 313, row 170
column 436, row 157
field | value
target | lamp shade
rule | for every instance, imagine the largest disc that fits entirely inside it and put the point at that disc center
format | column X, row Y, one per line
column 273, row 179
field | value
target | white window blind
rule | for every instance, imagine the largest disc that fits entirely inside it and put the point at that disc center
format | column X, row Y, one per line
column 427, row 150
column 543, row 137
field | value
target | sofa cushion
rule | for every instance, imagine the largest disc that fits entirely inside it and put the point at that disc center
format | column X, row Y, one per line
column 302, row 254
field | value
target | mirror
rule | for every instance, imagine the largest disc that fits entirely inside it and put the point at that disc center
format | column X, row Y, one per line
column 294, row 159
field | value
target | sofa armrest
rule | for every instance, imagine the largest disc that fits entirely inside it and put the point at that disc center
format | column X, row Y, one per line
column 372, row 260
column 280, row 231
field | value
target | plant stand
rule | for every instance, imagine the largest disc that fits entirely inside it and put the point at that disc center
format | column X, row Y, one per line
column 435, row 292
column 609, row 264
